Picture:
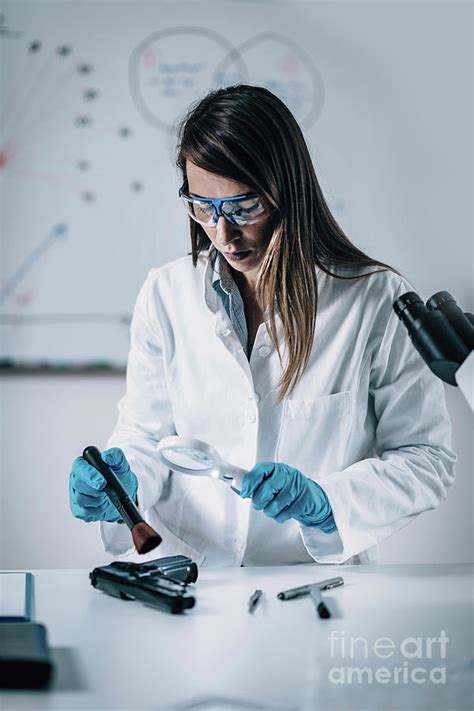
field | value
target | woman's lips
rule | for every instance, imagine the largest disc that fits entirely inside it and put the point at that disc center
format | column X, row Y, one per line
column 237, row 256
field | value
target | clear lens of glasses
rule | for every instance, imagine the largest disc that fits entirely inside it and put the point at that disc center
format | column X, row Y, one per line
column 238, row 212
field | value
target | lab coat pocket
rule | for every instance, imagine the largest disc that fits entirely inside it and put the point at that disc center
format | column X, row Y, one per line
column 314, row 434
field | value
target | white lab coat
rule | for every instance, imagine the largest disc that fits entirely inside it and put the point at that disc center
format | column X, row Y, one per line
column 367, row 421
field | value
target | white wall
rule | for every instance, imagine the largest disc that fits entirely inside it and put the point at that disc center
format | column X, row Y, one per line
column 394, row 149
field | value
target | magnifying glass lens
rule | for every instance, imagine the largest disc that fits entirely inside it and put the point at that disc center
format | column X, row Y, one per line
column 187, row 458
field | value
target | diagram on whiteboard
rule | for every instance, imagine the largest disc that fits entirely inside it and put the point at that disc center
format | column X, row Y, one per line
column 52, row 172
column 162, row 82
column 85, row 164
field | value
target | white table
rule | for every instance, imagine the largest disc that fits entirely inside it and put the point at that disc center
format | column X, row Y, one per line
column 115, row 654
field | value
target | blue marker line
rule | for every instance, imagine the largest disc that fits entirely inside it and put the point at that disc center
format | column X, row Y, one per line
column 58, row 231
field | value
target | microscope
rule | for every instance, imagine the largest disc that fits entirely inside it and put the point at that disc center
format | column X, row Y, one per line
column 444, row 337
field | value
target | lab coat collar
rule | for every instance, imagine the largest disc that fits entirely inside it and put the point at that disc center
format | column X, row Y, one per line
column 212, row 300
column 210, row 295
column 216, row 269
column 222, row 275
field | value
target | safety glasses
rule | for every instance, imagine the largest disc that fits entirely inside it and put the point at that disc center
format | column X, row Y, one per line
column 238, row 210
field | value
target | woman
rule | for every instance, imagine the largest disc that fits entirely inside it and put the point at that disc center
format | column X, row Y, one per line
column 276, row 343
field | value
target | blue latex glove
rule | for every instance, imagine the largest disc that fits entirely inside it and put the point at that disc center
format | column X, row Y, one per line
column 282, row 492
column 87, row 498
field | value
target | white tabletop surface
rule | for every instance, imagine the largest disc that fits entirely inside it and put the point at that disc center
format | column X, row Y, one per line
column 115, row 654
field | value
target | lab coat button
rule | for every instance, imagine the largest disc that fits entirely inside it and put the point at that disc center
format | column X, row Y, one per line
column 257, row 397
column 264, row 351
column 226, row 332
column 251, row 416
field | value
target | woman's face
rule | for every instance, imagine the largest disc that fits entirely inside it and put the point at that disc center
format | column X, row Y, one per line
column 243, row 246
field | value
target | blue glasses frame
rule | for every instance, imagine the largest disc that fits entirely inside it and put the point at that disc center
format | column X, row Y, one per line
column 217, row 204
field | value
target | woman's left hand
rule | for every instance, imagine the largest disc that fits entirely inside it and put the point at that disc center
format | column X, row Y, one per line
column 282, row 492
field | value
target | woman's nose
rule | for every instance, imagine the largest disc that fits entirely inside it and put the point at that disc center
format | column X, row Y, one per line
column 225, row 232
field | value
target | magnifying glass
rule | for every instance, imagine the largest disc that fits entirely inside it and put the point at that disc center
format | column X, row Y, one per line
column 192, row 456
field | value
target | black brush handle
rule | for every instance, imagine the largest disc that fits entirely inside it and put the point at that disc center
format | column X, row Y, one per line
column 114, row 489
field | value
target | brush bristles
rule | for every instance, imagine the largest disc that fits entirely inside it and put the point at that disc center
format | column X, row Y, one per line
column 145, row 538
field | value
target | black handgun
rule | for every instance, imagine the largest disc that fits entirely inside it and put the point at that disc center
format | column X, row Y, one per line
column 161, row 583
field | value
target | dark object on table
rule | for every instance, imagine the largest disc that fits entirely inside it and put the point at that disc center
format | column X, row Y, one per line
column 254, row 598
column 161, row 583
column 25, row 661
column 319, row 604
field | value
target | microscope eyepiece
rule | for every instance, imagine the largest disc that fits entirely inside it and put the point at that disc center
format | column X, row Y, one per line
column 438, row 300
column 433, row 335
column 409, row 307
column 405, row 301
column 444, row 302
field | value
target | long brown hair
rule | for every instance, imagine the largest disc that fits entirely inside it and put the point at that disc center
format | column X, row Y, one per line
column 246, row 133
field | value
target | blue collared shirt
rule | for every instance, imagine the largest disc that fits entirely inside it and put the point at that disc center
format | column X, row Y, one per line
column 224, row 285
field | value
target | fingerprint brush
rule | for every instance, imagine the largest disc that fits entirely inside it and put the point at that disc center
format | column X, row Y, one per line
column 144, row 537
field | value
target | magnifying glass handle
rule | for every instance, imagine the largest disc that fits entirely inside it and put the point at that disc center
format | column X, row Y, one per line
column 233, row 475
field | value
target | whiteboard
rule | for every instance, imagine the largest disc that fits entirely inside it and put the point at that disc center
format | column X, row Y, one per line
column 91, row 96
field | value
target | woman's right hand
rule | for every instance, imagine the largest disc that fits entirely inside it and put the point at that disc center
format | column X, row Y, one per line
column 87, row 498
